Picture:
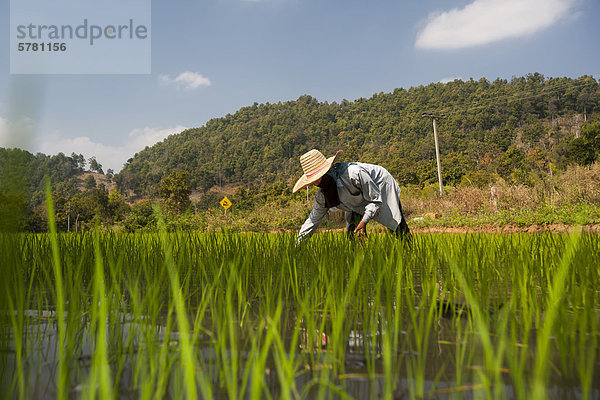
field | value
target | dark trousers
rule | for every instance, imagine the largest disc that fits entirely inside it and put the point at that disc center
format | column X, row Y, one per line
column 401, row 232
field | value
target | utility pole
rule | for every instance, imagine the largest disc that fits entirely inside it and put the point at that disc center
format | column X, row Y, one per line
column 435, row 117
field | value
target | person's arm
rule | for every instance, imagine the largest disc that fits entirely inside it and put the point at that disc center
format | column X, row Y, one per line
column 361, row 228
column 371, row 193
column 314, row 219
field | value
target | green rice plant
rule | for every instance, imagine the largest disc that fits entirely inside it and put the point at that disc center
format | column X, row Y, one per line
column 187, row 351
column 555, row 295
column 493, row 357
column 421, row 318
column 286, row 363
column 100, row 376
column 17, row 323
column 163, row 315
column 61, row 383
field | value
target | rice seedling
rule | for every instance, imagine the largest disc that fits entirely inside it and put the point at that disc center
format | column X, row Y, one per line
column 173, row 315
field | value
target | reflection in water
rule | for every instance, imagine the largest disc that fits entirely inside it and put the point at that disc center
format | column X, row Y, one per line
column 361, row 374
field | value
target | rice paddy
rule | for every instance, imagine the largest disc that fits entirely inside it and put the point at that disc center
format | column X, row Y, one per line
column 230, row 316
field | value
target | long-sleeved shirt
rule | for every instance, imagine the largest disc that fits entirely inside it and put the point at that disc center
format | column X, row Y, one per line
column 366, row 189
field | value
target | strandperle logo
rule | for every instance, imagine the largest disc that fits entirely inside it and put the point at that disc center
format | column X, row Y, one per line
column 84, row 31
column 80, row 36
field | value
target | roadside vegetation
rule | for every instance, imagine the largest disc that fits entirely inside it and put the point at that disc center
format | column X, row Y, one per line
column 569, row 198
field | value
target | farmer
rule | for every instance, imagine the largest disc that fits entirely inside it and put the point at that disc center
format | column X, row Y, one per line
column 363, row 191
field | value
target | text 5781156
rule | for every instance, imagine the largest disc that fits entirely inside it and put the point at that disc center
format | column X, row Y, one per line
column 43, row 46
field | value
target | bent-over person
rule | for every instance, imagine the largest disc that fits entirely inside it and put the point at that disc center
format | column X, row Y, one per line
column 363, row 191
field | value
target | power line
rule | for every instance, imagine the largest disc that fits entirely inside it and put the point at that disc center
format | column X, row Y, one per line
column 518, row 96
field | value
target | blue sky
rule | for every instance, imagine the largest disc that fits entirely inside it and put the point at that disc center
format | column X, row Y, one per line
column 211, row 57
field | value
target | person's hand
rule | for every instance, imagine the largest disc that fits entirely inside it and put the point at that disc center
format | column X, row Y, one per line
column 361, row 229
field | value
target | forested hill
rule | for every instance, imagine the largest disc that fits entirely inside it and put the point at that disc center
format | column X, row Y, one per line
column 528, row 125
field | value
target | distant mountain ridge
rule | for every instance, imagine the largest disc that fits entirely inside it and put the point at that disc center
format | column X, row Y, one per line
column 491, row 126
column 511, row 129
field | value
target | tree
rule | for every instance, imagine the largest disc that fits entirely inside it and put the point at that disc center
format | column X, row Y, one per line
column 175, row 191
column 580, row 152
column 79, row 161
column 90, row 182
column 141, row 217
column 12, row 207
column 37, row 220
column 117, row 206
column 204, row 180
column 512, row 165
column 591, row 133
column 95, row 165
column 454, row 167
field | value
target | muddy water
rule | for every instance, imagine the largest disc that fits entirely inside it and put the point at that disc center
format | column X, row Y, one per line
column 360, row 375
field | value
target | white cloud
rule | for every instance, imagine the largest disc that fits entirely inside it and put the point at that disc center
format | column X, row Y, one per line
column 20, row 134
column 15, row 133
column 142, row 137
column 187, row 80
column 109, row 156
column 488, row 21
column 448, row 80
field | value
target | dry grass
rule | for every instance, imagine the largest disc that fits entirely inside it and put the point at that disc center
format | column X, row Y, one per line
column 576, row 186
column 498, row 203
column 580, row 184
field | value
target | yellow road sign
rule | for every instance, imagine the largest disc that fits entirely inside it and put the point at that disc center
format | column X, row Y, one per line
column 225, row 203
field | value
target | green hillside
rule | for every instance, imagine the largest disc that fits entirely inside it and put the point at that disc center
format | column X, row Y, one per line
column 515, row 129
column 529, row 137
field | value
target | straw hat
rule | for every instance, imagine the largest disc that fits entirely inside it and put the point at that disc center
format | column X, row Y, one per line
column 315, row 165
